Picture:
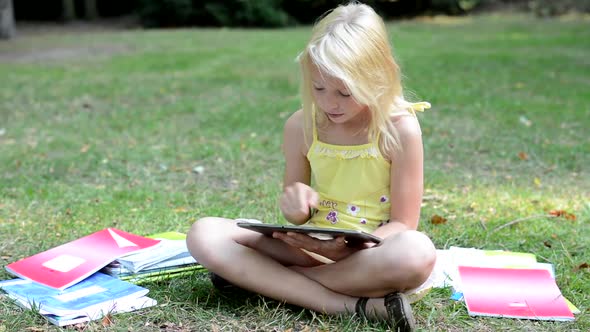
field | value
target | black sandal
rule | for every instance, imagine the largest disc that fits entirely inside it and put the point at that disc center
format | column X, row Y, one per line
column 220, row 283
column 398, row 309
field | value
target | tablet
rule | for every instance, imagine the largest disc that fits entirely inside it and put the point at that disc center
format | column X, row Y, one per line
column 353, row 237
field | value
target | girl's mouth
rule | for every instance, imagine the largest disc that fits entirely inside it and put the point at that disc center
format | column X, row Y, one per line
column 335, row 115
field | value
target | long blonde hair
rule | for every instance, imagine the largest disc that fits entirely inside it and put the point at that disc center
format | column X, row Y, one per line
column 351, row 44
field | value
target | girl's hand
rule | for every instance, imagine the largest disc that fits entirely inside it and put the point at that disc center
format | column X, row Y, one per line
column 296, row 202
column 335, row 249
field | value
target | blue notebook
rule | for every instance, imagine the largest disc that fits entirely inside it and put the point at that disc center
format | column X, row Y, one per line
column 99, row 292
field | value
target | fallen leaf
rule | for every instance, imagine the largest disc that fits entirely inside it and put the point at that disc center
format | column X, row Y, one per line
column 537, row 182
column 437, row 220
column 84, row 148
column 563, row 213
column 523, row 156
column 581, row 266
column 547, row 244
column 107, row 320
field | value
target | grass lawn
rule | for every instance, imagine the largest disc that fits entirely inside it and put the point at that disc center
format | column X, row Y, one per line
column 105, row 129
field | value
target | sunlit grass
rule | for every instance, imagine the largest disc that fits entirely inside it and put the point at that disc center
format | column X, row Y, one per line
column 106, row 129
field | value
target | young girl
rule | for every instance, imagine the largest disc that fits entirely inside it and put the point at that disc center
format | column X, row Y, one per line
column 353, row 160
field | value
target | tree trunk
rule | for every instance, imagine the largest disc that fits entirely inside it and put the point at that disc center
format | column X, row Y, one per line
column 68, row 10
column 7, row 26
column 90, row 10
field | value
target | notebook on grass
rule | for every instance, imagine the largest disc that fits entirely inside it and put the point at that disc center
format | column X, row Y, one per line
column 97, row 293
column 513, row 293
column 69, row 263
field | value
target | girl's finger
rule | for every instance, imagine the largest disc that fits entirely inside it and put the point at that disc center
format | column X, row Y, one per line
column 313, row 199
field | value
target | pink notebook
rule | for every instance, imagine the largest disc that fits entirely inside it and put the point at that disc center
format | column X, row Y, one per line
column 513, row 293
column 69, row 263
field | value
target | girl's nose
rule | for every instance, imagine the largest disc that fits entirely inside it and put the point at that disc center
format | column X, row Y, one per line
column 332, row 104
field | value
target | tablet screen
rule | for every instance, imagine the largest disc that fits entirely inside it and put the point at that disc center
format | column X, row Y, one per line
column 352, row 237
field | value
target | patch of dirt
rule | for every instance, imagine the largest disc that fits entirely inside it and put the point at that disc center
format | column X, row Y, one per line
column 28, row 29
column 61, row 53
column 31, row 45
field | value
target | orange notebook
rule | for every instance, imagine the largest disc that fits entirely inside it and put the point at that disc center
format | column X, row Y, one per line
column 67, row 264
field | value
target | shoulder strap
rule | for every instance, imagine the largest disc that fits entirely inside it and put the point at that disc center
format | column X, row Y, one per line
column 314, row 126
column 419, row 107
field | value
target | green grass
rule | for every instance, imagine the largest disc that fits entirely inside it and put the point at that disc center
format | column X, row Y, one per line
column 104, row 129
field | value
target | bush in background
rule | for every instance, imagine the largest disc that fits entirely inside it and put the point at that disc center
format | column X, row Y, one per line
column 275, row 13
column 541, row 8
column 165, row 13
column 546, row 8
column 272, row 13
column 168, row 13
column 453, row 7
column 264, row 13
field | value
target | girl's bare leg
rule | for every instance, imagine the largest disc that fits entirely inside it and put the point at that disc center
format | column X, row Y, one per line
column 259, row 263
column 401, row 262
column 227, row 250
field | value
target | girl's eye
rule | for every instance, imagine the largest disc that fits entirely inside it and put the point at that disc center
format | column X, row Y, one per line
column 344, row 94
column 318, row 89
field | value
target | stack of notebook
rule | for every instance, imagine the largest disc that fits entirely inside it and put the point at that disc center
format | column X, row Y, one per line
column 170, row 259
column 89, row 278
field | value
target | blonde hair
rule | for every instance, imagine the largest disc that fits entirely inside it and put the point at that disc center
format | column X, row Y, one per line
column 351, row 43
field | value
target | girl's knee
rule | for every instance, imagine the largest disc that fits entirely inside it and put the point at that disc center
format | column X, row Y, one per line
column 423, row 249
column 197, row 230
column 200, row 239
column 416, row 256
column 422, row 255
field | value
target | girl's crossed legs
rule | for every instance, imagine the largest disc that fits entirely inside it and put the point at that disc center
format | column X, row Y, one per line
column 274, row 269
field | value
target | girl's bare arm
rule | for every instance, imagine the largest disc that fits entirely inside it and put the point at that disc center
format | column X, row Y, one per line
column 407, row 182
column 298, row 197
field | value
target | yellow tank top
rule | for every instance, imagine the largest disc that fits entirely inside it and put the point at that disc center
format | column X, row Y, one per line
column 352, row 181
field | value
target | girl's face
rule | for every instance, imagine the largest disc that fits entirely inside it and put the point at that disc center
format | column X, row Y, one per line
column 334, row 99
